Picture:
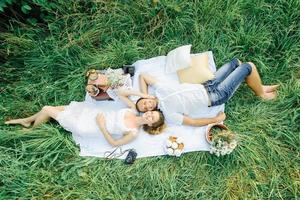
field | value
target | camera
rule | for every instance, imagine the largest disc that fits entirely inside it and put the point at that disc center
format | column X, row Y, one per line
column 131, row 156
column 128, row 69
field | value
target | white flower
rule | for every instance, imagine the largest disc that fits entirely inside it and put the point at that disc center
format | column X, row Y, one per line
column 179, row 140
column 229, row 151
column 225, row 144
column 169, row 143
column 233, row 144
column 170, row 151
column 224, row 148
column 177, row 152
column 174, row 145
column 223, row 153
column 219, row 144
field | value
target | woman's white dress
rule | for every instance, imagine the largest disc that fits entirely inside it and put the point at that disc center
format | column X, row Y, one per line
column 80, row 119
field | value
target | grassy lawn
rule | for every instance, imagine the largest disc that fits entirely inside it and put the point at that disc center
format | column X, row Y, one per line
column 44, row 64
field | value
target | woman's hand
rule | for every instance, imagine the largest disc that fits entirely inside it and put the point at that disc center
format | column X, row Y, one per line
column 100, row 119
column 114, row 142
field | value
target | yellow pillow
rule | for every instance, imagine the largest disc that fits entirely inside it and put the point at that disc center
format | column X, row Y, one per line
column 198, row 72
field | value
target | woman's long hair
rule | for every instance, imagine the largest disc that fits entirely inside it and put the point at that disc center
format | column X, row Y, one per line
column 157, row 127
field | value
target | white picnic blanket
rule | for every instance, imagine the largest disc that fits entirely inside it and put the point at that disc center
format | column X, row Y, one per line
column 148, row 145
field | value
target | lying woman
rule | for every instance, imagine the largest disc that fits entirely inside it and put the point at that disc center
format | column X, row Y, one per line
column 86, row 121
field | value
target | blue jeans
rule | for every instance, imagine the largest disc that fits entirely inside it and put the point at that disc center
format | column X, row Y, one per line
column 227, row 80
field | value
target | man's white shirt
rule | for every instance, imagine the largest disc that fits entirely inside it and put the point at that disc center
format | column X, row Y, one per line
column 177, row 100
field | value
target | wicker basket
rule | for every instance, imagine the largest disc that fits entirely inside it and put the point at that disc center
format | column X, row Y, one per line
column 208, row 134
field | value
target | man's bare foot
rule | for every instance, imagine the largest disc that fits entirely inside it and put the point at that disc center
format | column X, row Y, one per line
column 240, row 62
column 269, row 95
column 22, row 122
column 270, row 88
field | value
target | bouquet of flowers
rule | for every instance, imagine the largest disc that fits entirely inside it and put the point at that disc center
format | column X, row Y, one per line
column 115, row 77
column 174, row 146
column 223, row 143
column 222, row 140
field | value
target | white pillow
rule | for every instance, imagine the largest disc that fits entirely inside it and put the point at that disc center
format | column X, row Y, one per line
column 178, row 58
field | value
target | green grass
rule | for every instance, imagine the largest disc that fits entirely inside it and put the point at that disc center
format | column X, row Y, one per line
column 45, row 65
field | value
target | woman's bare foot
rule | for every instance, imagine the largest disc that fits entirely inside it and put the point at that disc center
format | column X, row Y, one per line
column 22, row 122
column 26, row 129
column 270, row 88
column 269, row 95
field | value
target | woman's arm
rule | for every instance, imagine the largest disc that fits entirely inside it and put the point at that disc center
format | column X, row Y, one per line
column 124, row 96
column 145, row 81
column 128, row 137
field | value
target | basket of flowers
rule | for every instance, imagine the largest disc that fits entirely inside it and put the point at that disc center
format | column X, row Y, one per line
column 222, row 140
column 115, row 77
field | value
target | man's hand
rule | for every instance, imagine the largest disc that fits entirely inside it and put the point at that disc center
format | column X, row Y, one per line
column 220, row 117
column 147, row 96
column 204, row 121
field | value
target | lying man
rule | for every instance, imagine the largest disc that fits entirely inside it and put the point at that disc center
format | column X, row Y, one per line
column 179, row 101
